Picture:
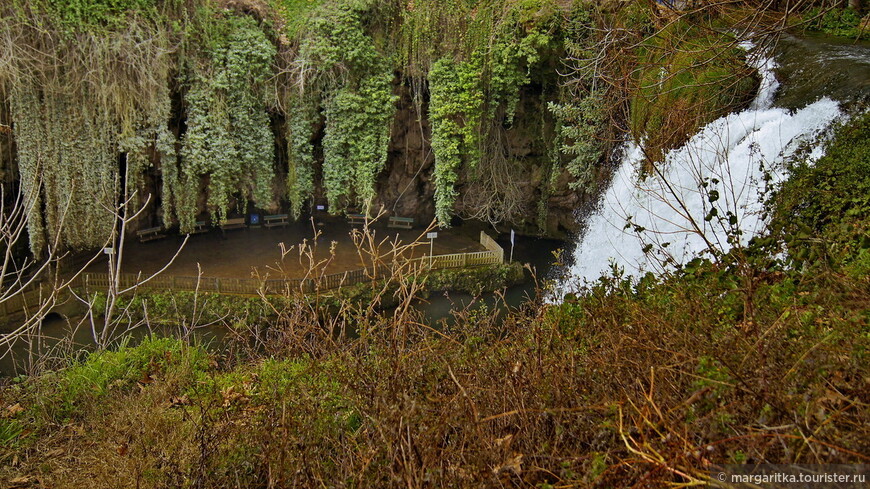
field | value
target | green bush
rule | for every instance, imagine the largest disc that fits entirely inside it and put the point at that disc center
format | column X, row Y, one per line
column 845, row 22
column 74, row 391
column 476, row 280
column 830, row 199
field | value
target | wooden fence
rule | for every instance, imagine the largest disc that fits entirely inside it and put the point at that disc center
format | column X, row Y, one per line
column 491, row 246
column 254, row 286
column 30, row 299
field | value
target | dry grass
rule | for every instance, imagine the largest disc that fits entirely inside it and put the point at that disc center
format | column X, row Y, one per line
column 627, row 386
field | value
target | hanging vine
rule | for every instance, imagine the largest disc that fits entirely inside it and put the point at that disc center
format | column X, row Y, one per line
column 579, row 114
column 300, row 152
column 358, row 107
column 356, row 140
column 75, row 111
column 68, row 173
column 455, row 110
column 229, row 138
column 109, row 94
column 519, row 39
column 29, row 132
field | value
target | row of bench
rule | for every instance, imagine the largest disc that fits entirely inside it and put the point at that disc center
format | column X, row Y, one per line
column 150, row 234
column 271, row 221
column 393, row 222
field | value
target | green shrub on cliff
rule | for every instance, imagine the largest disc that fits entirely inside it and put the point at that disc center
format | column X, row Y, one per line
column 687, row 77
column 845, row 22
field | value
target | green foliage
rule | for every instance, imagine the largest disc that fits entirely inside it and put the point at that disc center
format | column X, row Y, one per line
column 687, row 78
column 845, row 22
column 359, row 103
column 455, row 111
column 78, row 110
column 580, row 113
column 578, row 129
column 475, row 280
column 71, row 392
column 830, row 199
column 430, row 29
column 10, row 431
column 324, row 68
column 479, row 57
column 523, row 34
column 358, row 121
column 294, row 14
column 300, row 151
column 67, row 165
column 229, row 136
column 78, row 14
column 433, row 29
column 301, row 381
column 175, row 308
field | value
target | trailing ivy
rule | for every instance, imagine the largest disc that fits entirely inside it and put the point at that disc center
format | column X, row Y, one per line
column 228, row 137
column 150, row 139
column 455, row 111
column 186, row 92
column 69, row 175
column 359, row 104
column 515, row 49
column 579, row 114
column 301, row 116
column 578, row 129
column 357, row 137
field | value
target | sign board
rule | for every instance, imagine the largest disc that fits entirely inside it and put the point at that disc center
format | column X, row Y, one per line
column 108, row 251
column 254, row 219
column 431, row 235
column 321, row 207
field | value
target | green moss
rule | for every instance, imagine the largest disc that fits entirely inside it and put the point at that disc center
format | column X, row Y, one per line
column 844, row 22
column 78, row 390
column 687, row 77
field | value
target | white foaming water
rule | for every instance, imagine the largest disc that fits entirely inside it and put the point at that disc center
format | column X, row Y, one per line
column 731, row 154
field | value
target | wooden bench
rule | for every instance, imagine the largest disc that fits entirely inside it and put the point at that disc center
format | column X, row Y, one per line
column 235, row 223
column 355, row 219
column 199, row 227
column 401, row 222
column 150, row 234
column 275, row 220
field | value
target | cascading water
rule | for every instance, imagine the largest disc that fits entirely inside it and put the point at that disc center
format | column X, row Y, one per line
column 643, row 221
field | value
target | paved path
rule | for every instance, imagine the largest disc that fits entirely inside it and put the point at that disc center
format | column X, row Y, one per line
column 239, row 253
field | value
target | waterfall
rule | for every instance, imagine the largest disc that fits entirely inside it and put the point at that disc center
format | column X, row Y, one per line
column 727, row 166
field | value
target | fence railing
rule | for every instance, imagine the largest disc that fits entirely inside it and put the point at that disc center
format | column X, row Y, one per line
column 268, row 286
column 32, row 298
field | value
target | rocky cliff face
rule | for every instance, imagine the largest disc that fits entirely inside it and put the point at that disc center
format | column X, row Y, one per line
column 523, row 185
column 526, row 196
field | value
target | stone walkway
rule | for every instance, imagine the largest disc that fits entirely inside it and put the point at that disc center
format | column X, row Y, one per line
column 243, row 253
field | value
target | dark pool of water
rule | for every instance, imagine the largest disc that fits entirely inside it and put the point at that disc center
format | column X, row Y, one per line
column 539, row 253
